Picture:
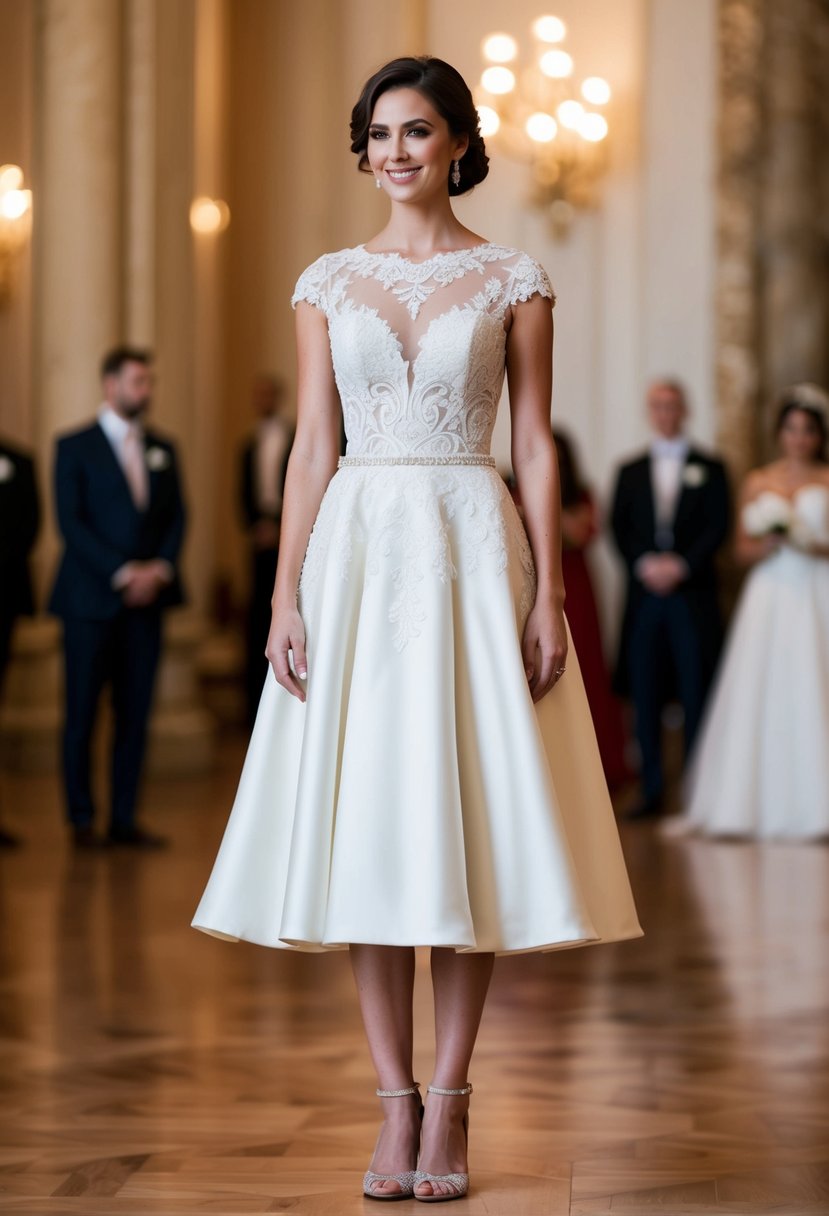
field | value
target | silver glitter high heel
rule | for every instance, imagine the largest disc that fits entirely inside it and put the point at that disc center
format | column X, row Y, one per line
column 459, row 1183
column 405, row 1181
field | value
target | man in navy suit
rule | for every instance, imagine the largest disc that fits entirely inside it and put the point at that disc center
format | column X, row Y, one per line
column 121, row 514
column 670, row 516
column 19, row 523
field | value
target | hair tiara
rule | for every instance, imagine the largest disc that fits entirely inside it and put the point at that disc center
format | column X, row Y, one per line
column 808, row 396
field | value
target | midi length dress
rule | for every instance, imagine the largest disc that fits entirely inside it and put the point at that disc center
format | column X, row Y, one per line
column 418, row 797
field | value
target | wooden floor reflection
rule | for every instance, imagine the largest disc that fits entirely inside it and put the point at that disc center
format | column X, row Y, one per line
column 145, row 1068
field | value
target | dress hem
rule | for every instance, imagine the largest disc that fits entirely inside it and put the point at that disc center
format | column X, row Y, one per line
column 309, row 947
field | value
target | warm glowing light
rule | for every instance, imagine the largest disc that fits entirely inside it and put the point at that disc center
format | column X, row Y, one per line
column 209, row 215
column 14, row 204
column 489, row 120
column 556, row 64
column 541, row 127
column 595, row 90
column 592, row 127
column 498, row 80
column 11, row 178
column 499, row 48
column 570, row 114
column 549, row 29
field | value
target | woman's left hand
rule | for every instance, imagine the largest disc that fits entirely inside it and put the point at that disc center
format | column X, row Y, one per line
column 544, row 647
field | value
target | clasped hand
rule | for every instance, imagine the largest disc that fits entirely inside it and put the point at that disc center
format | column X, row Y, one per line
column 661, row 573
column 142, row 583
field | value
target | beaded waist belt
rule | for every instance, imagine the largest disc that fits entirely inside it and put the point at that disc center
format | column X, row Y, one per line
column 348, row 462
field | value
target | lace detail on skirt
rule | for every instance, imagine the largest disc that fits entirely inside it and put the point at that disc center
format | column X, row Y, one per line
column 410, row 523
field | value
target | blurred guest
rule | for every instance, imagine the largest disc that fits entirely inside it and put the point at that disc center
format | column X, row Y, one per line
column 762, row 764
column 264, row 463
column 670, row 516
column 121, row 515
column 19, row 523
column 579, row 526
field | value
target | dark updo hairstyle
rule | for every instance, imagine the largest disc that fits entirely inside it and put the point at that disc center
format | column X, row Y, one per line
column 447, row 91
column 812, row 401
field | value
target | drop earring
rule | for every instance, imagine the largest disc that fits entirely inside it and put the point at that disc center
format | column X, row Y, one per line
column 456, row 173
column 378, row 183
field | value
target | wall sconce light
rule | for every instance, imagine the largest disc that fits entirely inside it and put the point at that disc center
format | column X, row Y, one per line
column 536, row 114
column 209, row 216
column 15, row 225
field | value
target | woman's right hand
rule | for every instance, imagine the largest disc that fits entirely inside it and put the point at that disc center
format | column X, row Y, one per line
column 287, row 635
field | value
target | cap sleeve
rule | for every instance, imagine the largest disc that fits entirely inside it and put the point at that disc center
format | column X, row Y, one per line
column 312, row 285
column 529, row 278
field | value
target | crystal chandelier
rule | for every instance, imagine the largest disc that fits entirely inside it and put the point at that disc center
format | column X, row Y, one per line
column 537, row 114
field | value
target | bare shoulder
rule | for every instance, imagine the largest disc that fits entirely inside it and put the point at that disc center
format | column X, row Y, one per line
column 759, row 479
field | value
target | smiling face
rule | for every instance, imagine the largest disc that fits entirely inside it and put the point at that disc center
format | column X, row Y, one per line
column 799, row 435
column 410, row 146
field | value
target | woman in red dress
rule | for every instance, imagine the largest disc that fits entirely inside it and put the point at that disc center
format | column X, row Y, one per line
column 579, row 526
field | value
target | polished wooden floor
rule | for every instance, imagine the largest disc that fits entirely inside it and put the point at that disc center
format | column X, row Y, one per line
column 145, row 1068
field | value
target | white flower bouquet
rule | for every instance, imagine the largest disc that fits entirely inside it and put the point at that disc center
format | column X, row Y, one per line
column 768, row 515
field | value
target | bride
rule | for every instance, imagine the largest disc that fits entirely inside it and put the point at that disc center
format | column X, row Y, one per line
column 422, row 771
column 761, row 768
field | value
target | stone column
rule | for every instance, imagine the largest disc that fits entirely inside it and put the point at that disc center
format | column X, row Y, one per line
column 77, row 301
column 113, row 183
column 795, row 248
column 740, row 135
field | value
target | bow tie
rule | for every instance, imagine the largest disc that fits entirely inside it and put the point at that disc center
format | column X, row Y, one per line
column 672, row 449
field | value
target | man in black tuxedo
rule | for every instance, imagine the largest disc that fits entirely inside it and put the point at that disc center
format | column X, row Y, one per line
column 262, row 480
column 19, row 523
column 670, row 516
column 121, row 514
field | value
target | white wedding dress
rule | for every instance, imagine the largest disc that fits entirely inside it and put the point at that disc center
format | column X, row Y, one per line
column 419, row 797
column 761, row 767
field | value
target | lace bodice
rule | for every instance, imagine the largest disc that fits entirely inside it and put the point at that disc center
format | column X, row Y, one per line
column 418, row 348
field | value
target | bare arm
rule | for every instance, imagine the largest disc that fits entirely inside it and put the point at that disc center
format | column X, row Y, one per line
column 749, row 550
column 312, row 464
column 530, row 376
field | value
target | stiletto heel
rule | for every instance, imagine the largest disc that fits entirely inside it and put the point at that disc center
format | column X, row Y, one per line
column 458, row 1182
column 405, row 1181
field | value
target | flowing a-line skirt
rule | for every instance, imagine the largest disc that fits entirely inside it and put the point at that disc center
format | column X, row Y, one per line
column 761, row 767
column 418, row 796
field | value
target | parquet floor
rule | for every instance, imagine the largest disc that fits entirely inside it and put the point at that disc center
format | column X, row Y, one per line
column 145, row 1068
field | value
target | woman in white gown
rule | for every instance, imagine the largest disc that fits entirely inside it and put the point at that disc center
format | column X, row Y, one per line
column 761, row 768
column 417, row 774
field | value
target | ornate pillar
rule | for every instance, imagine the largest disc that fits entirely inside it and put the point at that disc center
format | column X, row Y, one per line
column 773, row 198
column 113, row 184
column 795, row 244
column 740, row 133
column 77, row 301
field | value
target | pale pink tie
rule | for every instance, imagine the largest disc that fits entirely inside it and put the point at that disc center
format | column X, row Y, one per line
column 135, row 468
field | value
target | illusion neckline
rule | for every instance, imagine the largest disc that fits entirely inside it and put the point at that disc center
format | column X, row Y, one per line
column 443, row 253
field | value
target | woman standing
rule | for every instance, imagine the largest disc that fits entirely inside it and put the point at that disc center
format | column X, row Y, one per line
column 579, row 528
column 417, row 774
column 762, row 765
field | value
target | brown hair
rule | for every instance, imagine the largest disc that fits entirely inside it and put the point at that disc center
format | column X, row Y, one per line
column 448, row 92
column 789, row 405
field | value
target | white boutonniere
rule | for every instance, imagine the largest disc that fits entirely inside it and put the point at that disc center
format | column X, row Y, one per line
column 694, row 475
column 7, row 469
column 157, row 459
